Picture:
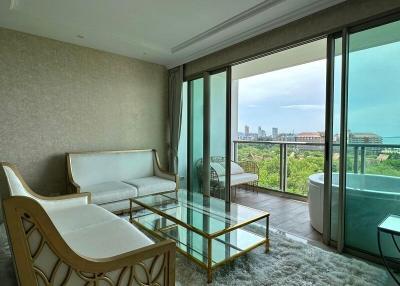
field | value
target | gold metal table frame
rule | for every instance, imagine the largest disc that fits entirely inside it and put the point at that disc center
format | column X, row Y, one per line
column 227, row 225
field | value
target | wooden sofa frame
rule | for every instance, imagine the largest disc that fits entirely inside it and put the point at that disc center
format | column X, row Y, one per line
column 74, row 187
column 24, row 216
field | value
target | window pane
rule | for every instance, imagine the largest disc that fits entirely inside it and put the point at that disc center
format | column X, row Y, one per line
column 373, row 175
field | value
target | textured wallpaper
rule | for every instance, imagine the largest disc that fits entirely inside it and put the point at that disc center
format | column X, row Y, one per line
column 57, row 97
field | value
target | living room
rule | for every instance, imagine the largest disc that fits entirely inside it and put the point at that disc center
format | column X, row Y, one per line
column 122, row 162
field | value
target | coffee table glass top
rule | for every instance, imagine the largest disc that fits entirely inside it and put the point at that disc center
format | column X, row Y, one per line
column 204, row 215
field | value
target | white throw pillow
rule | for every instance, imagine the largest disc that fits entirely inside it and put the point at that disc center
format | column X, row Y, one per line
column 236, row 169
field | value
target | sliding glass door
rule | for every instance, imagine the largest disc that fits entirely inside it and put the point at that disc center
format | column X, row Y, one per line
column 373, row 139
column 208, row 147
column 365, row 145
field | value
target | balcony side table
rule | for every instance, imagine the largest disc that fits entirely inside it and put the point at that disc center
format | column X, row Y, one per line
column 391, row 226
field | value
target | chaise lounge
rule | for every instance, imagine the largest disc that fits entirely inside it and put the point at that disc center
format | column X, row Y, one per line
column 67, row 240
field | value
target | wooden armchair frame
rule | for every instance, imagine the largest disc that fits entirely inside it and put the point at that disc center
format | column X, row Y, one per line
column 25, row 218
column 216, row 186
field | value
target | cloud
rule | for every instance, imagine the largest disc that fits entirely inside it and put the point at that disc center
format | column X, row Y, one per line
column 304, row 107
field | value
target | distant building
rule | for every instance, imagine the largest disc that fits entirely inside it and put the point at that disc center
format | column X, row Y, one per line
column 365, row 138
column 311, row 137
column 274, row 133
column 246, row 131
column 289, row 137
column 261, row 133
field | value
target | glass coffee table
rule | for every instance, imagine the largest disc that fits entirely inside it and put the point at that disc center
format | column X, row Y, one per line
column 207, row 230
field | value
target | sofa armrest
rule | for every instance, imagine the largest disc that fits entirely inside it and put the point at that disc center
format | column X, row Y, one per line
column 160, row 172
column 60, row 202
column 150, row 265
column 73, row 186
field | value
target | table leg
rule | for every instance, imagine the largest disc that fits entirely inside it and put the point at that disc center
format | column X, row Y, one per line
column 384, row 260
column 267, row 235
column 209, row 261
column 130, row 211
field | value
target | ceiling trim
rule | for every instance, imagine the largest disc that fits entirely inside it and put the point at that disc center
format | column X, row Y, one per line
column 267, row 26
column 251, row 12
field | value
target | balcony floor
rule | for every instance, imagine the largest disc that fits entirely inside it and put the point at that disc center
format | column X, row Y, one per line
column 286, row 214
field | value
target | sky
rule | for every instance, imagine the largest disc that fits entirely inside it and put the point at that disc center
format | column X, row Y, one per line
column 293, row 99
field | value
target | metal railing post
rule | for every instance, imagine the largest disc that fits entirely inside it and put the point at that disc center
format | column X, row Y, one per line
column 355, row 163
column 235, row 151
column 283, row 167
column 281, row 180
column 362, row 159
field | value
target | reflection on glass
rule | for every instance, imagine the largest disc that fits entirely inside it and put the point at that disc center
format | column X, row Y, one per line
column 218, row 134
column 374, row 134
column 189, row 219
column 196, row 140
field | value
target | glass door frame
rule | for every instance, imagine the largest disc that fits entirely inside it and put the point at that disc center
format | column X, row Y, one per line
column 206, row 129
column 344, row 34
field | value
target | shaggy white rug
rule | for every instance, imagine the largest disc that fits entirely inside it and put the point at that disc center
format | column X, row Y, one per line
column 288, row 263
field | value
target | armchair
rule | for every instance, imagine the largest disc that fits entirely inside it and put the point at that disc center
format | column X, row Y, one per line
column 245, row 173
column 68, row 241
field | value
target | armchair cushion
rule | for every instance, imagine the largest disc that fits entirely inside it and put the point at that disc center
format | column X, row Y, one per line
column 239, row 179
column 75, row 218
column 243, row 178
column 151, row 185
column 110, row 192
column 236, row 169
column 107, row 239
column 219, row 168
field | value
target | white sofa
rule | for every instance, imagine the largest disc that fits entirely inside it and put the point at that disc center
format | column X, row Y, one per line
column 112, row 177
column 68, row 241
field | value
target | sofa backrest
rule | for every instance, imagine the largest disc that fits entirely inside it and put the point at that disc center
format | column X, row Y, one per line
column 98, row 167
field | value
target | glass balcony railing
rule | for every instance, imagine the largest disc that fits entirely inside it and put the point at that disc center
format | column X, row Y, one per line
column 285, row 166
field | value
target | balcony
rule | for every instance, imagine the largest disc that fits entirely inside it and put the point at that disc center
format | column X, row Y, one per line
column 283, row 165
column 285, row 168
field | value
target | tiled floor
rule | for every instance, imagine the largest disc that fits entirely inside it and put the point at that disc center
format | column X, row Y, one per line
column 285, row 214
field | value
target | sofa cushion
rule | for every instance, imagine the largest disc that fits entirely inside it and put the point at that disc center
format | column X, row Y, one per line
column 110, row 192
column 75, row 218
column 236, row 169
column 151, row 185
column 119, row 206
column 243, row 178
column 107, row 239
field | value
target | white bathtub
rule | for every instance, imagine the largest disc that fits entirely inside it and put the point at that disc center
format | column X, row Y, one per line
column 369, row 199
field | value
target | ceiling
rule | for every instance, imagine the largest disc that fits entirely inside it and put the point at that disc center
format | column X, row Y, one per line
column 165, row 32
column 299, row 55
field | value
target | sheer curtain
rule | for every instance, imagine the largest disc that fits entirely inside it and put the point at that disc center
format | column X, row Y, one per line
column 175, row 80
